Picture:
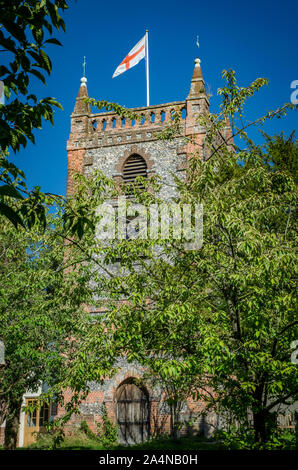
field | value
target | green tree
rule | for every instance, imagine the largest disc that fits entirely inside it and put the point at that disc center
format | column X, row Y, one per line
column 26, row 30
column 281, row 153
column 222, row 316
column 41, row 315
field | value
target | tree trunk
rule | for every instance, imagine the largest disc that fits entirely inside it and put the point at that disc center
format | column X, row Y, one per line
column 264, row 421
column 259, row 423
column 12, row 424
column 260, row 416
column 175, row 434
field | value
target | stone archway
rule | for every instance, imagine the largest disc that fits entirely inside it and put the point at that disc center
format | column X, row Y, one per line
column 132, row 412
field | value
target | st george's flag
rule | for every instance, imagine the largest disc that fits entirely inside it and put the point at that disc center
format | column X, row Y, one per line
column 133, row 57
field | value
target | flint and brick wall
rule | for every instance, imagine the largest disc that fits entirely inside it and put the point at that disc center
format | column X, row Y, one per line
column 91, row 408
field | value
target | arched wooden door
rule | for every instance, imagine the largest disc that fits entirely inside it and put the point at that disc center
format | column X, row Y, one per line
column 132, row 413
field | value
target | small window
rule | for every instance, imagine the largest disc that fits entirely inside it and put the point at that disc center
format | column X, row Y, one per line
column 162, row 116
column 44, row 414
column 54, row 409
column 31, row 416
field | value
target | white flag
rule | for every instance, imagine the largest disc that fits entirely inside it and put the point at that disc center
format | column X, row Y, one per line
column 133, row 57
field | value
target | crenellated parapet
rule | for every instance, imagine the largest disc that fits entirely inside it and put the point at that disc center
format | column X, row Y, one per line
column 108, row 128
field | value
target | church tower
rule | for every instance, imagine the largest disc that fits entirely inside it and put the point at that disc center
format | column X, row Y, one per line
column 123, row 149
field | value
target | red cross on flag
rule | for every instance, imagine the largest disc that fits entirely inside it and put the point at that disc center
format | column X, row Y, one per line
column 133, row 57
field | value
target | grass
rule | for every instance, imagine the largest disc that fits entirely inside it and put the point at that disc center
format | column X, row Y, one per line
column 80, row 441
column 184, row 443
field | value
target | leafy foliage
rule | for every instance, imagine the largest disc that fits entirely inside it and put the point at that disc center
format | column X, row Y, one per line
column 23, row 208
column 109, row 106
column 221, row 318
column 41, row 315
column 26, row 30
column 107, row 431
column 25, row 26
column 107, row 434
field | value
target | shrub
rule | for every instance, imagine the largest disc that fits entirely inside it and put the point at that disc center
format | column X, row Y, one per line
column 240, row 438
column 107, row 431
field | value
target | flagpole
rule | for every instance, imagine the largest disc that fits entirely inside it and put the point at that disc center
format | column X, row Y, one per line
column 147, row 67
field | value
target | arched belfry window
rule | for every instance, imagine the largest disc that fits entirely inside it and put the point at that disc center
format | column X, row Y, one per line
column 134, row 166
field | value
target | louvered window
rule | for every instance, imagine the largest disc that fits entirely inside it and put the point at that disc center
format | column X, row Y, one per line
column 134, row 166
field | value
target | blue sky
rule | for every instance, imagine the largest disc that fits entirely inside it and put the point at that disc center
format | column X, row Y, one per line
column 255, row 38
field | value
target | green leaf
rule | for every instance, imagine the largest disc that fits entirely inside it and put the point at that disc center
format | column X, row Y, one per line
column 11, row 215
column 53, row 41
column 9, row 190
column 46, row 61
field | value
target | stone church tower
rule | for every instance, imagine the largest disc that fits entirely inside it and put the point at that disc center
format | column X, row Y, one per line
column 104, row 141
column 123, row 149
